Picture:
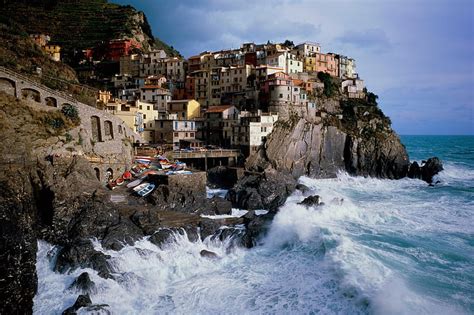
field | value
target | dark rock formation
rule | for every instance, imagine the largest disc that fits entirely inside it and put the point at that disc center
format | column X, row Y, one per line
column 222, row 177
column 83, row 284
column 161, row 237
column 82, row 254
column 265, row 190
column 303, row 188
column 124, row 233
column 310, row 201
column 208, row 227
column 82, row 301
column 208, row 254
column 429, row 168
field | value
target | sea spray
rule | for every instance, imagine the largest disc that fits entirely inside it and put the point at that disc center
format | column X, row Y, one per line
column 375, row 246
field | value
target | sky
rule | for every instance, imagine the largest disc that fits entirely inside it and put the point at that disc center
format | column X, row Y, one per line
column 417, row 55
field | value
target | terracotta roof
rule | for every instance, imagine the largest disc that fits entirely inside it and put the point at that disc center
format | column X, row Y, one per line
column 218, row 108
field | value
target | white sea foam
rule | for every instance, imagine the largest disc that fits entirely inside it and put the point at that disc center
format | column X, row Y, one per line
column 375, row 246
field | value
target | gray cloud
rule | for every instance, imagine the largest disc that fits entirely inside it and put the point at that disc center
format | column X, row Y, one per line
column 371, row 39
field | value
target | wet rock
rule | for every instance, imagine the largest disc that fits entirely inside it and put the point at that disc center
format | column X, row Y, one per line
column 267, row 190
column 98, row 309
column 310, row 201
column 219, row 205
column 82, row 301
column 432, row 167
column 208, row 254
column 161, row 237
column 82, row 254
column 429, row 168
column 124, row 233
column 257, row 228
column 208, row 227
column 414, row 170
column 84, row 284
column 222, row 177
column 303, row 188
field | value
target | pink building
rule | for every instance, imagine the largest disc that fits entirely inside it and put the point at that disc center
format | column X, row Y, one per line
column 326, row 63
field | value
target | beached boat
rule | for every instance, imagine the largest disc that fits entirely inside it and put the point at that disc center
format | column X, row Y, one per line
column 144, row 189
column 119, row 181
column 135, row 183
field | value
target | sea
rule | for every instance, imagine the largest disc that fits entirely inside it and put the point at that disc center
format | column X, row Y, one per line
column 376, row 246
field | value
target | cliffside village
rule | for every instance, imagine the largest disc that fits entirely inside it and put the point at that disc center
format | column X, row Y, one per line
column 225, row 99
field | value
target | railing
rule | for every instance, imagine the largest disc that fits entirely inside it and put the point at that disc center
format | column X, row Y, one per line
column 206, row 154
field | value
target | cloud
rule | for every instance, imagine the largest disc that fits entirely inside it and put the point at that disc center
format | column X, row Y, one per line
column 371, row 39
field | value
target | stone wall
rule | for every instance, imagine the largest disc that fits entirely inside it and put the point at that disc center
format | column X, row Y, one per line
column 102, row 137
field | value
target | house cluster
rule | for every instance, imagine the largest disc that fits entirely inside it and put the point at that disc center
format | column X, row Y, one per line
column 229, row 98
column 44, row 41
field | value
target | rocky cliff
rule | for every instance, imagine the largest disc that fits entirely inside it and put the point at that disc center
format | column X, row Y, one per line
column 341, row 135
column 354, row 136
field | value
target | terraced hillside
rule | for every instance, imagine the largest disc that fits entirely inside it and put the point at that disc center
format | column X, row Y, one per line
column 80, row 24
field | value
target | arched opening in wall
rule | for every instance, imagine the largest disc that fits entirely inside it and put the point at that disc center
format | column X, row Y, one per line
column 51, row 101
column 31, row 94
column 97, row 173
column 95, row 126
column 109, row 175
column 109, row 132
column 7, row 86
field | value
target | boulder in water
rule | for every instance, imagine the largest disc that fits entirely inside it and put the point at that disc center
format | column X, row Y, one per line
column 82, row 301
column 429, row 168
column 303, row 188
column 84, row 284
column 161, row 237
column 310, row 201
column 82, row 254
column 208, row 254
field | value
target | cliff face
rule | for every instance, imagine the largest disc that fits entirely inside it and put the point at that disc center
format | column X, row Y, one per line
column 341, row 135
column 354, row 136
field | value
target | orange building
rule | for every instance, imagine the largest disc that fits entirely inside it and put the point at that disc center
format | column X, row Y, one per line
column 326, row 63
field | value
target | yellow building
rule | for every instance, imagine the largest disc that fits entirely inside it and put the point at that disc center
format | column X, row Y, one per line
column 309, row 64
column 54, row 51
column 185, row 109
column 127, row 112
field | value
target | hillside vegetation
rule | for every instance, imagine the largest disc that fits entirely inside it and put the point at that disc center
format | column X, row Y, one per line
column 80, row 24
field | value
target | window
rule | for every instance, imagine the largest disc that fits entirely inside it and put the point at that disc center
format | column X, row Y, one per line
column 148, row 108
column 191, row 134
column 182, row 114
column 143, row 99
column 176, row 134
column 186, row 135
column 185, row 124
column 176, row 125
column 144, row 116
column 161, row 125
column 281, row 95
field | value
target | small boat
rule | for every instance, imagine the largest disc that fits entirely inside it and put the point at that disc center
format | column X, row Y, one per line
column 144, row 189
column 127, row 175
column 119, row 181
column 135, row 183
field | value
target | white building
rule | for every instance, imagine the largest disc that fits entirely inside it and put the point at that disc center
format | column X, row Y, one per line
column 156, row 95
column 307, row 49
column 286, row 60
column 252, row 130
